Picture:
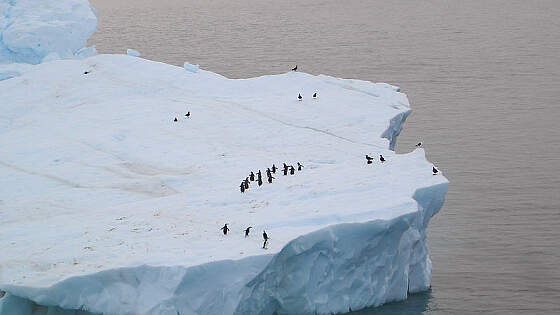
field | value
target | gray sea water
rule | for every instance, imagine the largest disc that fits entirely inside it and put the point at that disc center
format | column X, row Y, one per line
column 483, row 77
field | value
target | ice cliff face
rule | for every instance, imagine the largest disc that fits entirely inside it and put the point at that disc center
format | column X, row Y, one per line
column 33, row 31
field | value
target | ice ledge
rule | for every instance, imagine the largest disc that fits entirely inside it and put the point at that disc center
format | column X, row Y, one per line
column 336, row 269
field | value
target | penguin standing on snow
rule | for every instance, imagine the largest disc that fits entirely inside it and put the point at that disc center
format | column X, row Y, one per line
column 265, row 236
column 270, row 178
column 299, row 166
column 274, row 168
column 252, row 176
column 292, row 170
column 242, row 187
column 188, row 114
column 294, row 68
column 419, row 144
column 259, row 178
column 246, row 181
column 285, row 169
column 247, row 230
column 175, row 120
column 381, row 158
column 299, row 97
column 225, row 229
column 315, row 95
column 434, row 170
column 369, row 159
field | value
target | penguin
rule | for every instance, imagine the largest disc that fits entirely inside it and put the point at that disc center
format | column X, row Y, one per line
column 274, row 168
column 247, row 230
column 175, row 120
column 292, row 170
column 252, row 176
column 270, row 178
column 188, row 114
column 285, row 171
column 268, row 172
column 242, row 187
column 315, row 95
column 294, row 68
column 299, row 97
column 265, row 236
column 369, row 161
column 434, row 169
column 87, row 72
column 419, row 144
column 259, row 175
column 225, row 229
column 246, row 181
column 260, row 182
column 299, row 166
column 381, row 158
column 369, row 158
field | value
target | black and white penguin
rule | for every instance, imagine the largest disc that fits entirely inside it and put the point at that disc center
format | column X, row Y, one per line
column 252, row 176
column 268, row 172
column 299, row 166
column 87, row 72
column 419, row 144
column 315, row 95
column 434, row 170
column 188, row 114
column 246, row 183
column 270, row 178
column 225, row 229
column 274, row 168
column 285, row 169
column 369, row 158
column 265, row 236
column 175, row 120
column 299, row 97
column 247, row 230
column 259, row 181
column 242, row 187
column 292, row 170
column 294, row 68
column 381, row 158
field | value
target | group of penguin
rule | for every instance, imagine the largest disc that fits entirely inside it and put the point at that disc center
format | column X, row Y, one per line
column 269, row 171
column 188, row 115
column 299, row 97
column 369, row 160
column 225, row 230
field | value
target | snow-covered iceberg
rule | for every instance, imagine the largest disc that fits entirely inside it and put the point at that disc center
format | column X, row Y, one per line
column 33, row 31
column 112, row 198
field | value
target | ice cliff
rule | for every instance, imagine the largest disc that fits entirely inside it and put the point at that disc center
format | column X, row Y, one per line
column 108, row 205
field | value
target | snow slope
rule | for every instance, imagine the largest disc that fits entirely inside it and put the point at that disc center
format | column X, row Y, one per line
column 108, row 205
column 33, row 31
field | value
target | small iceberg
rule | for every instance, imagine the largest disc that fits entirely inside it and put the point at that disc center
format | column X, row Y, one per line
column 133, row 53
column 191, row 68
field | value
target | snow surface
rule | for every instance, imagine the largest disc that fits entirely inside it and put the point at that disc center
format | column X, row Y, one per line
column 108, row 205
column 33, row 31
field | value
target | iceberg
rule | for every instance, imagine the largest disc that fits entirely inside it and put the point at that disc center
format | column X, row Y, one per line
column 191, row 68
column 132, row 52
column 32, row 30
column 113, row 198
